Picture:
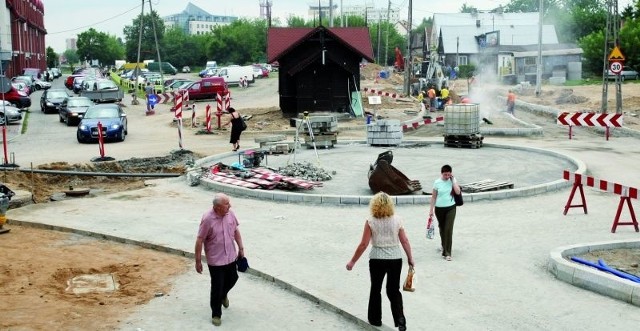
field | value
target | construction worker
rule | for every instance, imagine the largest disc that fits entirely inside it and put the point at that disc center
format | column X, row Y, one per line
column 444, row 96
column 431, row 93
column 511, row 101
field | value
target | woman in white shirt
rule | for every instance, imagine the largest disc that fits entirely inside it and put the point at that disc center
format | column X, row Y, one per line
column 386, row 234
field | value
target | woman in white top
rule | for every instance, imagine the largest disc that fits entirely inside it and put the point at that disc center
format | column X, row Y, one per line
column 386, row 233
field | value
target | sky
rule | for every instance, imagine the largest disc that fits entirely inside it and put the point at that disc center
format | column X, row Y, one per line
column 65, row 19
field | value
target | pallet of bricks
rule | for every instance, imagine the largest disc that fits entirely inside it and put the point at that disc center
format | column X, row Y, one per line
column 462, row 126
column 324, row 128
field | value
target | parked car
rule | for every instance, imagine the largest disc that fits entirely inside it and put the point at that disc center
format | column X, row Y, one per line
column 18, row 98
column 77, row 84
column 56, row 72
column 207, row 88
column 68, row 82
column 22, row 87
column 177, row 84
column 208, row 72
column 259, row 71
column 32, row 72
column 112, row 118
column 9, row 114
column 626, row 73
column 186, row 69
column 72, row 109
column 51, row 100
column 27, row 80
column 102, row 90
column 41, row 84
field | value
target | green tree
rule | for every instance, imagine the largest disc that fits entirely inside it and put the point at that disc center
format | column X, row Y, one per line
column 176, row 43
column 52, row 58
column 71, row 56
column 468, row 8
column 91, row 45
column 147, row 43
column 241, row 42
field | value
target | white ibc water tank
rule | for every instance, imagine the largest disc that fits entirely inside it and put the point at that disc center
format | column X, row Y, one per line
column 462, row 119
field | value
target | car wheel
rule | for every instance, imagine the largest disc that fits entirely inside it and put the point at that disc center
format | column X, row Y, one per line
column 38, row 87
column 60, row 118
column 122, row 135
column 68, row 121
column 1, row 119
column 44, row 110
column 80, row 140
column 622, row 78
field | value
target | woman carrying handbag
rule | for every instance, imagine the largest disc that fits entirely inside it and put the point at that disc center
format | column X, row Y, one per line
column 444, row 206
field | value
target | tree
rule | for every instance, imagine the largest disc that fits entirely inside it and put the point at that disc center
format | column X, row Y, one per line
column 467, row 8
column 52, row 58
column 147, row 43
column 71, row 56
column 94, row 45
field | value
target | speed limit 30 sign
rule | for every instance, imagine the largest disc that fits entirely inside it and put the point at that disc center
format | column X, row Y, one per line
column 615, row 67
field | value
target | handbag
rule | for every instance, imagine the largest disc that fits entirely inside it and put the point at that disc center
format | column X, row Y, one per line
column 244, row 124
column 410, row 282
column 430, row 228
column 457, row 197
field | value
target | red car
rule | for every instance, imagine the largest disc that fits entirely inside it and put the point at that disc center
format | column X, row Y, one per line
column 18, row 98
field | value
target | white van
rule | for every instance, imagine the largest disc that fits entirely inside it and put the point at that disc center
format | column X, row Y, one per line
column 232, row 74
column 211, row 64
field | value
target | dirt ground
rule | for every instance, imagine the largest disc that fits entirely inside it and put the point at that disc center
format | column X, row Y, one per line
column 30, row 282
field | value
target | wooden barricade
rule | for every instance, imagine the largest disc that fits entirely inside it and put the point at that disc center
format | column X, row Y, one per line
column 626, row 193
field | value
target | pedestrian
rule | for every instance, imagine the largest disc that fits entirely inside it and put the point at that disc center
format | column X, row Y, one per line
column 148, row 91
column 385, row 231
column 236, row 127
column 246, row 82
column 511, row 101
column 217, row 233
column 445, row 207
column 431, row 93
column 241, row 83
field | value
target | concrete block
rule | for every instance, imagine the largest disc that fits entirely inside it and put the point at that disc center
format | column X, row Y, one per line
column 600, row 282
column 350, row 200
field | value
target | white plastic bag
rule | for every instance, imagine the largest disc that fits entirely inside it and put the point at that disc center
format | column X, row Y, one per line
column 431, row 228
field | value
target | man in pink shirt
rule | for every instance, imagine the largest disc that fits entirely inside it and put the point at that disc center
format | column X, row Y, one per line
column 217, row 233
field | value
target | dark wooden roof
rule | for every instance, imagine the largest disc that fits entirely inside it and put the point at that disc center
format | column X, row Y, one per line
column 282, row 40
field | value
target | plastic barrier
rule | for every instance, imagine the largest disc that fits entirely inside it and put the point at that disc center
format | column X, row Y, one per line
column 415, row 125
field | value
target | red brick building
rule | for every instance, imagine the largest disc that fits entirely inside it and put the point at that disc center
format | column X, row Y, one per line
column 25, row 36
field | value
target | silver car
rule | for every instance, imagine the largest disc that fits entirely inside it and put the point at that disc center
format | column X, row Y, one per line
column 626, row 73
column 9, row 114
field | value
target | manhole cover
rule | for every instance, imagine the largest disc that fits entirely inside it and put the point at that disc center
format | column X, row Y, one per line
column 98, row 283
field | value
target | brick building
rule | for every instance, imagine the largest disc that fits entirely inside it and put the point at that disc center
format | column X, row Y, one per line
column 22, row 36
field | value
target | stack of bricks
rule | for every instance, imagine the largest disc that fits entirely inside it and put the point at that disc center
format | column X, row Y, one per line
column 324, row 128
column 384, row 133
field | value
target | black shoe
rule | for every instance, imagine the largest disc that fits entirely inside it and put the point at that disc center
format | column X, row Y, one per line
column 379, row 323
column 402, row 324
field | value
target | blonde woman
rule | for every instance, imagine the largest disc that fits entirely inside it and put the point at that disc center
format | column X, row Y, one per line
column 386, row 234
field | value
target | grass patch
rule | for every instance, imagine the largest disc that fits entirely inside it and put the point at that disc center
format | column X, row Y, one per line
column 25, row 122
column 583, row 82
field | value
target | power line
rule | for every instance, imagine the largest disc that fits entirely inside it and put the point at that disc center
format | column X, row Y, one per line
column 93, row 24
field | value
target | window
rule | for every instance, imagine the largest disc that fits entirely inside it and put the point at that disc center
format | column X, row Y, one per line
column 530, row 61
column 463, row 60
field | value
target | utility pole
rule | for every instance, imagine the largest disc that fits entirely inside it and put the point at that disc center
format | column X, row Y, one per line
column 137, row 70
column 379, row 36
column 386, row 43
column 155, row 37
column 539, row 66
column 613, row 26
column 341, row 15
column 407, row 65
column 330, row 13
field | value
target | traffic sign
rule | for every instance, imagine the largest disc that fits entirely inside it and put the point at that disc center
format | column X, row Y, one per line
column 152, row 99
column 615, row 67
column 616, row 55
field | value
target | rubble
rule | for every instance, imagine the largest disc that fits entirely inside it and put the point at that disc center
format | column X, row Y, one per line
column 306, row 171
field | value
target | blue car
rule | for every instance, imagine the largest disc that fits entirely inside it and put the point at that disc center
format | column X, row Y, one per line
column 112, row 118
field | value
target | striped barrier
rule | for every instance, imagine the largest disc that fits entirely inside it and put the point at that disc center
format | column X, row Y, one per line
column 415, row 125
column 590, row 119
column 386, row 94
column 626, row 193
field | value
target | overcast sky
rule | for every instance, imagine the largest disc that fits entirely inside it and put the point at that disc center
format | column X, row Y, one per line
column 67, row 18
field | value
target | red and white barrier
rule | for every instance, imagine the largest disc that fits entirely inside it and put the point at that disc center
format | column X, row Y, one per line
column 626, row 193
column 415, row 125
column 207, row 117
column 193, row 116
column 178, row 105
column 591, row 119
column 386, row 94
column 100, row 140
column 223, row 101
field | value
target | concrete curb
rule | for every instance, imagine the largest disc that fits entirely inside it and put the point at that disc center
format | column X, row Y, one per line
column 399, row 200
column 592, row 279
column 254, row 272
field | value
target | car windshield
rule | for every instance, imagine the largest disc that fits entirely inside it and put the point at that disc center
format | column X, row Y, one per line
column 57, row 94
column 107, row 85
column 79, row 102
column 101, row 113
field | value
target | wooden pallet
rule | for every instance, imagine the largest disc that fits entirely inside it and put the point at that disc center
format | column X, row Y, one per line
column 463, row 141
column 485, row 185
